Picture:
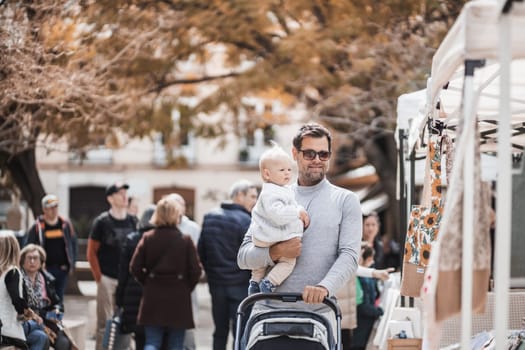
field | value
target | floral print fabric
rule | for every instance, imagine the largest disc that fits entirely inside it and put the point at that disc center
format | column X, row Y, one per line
column 423, row 228
column 441, row 290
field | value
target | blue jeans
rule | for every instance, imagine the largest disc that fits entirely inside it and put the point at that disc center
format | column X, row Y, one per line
column 154, row 334
column 224, row 303
column 60, row 280
column 35, row 336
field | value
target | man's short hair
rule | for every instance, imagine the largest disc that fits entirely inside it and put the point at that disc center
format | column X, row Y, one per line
column 312, row 130
column 241, row 186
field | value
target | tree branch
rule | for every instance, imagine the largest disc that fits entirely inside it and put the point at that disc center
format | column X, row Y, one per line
column 163, row 85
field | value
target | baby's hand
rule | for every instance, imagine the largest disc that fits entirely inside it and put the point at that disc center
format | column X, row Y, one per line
column 303, row 215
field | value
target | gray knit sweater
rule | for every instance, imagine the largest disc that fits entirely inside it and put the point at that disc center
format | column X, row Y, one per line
column 331, row 243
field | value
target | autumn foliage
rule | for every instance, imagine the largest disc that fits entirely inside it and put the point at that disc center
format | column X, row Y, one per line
column 97, row 72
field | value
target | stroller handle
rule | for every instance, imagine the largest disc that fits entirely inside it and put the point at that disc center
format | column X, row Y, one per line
column 286, row 298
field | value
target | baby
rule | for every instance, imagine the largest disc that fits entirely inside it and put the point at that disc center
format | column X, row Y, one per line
column 276, row 217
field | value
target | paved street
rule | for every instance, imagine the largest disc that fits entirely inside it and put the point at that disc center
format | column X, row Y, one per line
column 82, row 308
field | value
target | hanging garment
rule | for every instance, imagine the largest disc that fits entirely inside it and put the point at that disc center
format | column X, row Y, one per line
column 441, row 291
column 423, row 226
column 448, row 292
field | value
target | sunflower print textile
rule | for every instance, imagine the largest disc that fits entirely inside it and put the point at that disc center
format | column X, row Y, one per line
column 423, row 228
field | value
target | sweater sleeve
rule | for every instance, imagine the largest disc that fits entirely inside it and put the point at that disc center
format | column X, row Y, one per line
column 74, row 241
column 364, row 271
column 350, row 233
column 15, row 288
column 251, row 257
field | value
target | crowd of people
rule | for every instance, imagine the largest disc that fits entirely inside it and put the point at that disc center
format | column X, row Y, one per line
column 308, row 236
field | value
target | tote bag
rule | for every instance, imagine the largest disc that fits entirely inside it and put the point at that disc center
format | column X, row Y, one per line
column 423, row 225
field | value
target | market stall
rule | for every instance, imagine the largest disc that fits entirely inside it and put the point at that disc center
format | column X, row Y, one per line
column 479, row 71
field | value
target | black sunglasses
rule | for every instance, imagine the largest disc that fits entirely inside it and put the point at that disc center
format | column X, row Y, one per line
column 310, row 154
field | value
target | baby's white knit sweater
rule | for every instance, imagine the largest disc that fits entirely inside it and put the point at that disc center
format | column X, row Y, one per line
column 275, row 216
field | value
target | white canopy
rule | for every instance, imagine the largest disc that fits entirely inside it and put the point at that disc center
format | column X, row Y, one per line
column 495, row 94
column 411, row 114
column 475, row 36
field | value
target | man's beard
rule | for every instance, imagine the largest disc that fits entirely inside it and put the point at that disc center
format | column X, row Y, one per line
column 311, row 178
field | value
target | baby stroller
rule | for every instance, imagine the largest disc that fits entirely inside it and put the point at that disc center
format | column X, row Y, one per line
column 286, row 328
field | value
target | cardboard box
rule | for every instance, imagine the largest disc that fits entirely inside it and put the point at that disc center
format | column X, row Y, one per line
column 404, row 344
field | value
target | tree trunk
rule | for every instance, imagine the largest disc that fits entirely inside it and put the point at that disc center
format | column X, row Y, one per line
column 24, row 173
column 381, row 152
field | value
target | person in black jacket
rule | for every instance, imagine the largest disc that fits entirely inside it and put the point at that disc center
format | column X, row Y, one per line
column 222, row 233
column 57, row 236
column 129, row 291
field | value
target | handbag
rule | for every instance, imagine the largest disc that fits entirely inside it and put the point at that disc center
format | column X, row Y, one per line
column 112, row 335
column 62, row 339
column 423, row 226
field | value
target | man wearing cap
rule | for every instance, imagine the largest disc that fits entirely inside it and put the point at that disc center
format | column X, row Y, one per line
column 106, row 238
column 56, row 235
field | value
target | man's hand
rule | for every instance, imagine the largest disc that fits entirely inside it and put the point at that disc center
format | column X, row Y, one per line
column 314, row 294
column 287, row 249
column 382, row 275
column 303, row 215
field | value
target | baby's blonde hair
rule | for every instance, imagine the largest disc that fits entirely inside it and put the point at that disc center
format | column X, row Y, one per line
column 272, row 154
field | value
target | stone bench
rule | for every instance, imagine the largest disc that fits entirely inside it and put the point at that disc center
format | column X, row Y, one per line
column 77, row 329
column 83, row 271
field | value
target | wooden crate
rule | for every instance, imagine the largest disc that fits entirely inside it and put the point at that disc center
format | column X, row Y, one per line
column 404, row 344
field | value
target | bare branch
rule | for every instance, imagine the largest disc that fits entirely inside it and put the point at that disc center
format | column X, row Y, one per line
column 166, row 84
